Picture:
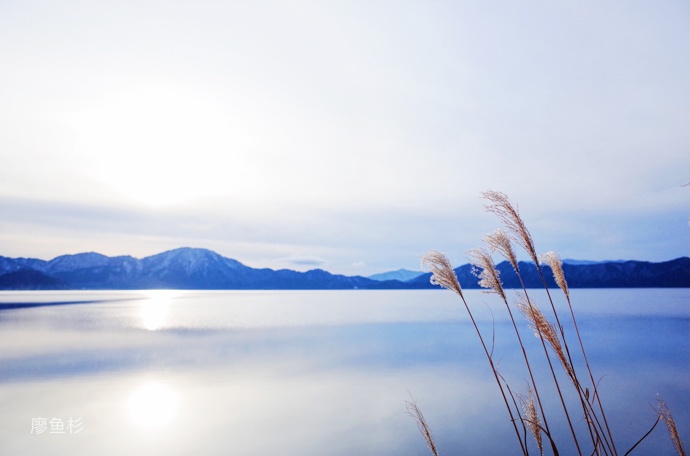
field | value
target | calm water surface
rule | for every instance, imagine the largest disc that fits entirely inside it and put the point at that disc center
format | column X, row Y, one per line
column 310, row 372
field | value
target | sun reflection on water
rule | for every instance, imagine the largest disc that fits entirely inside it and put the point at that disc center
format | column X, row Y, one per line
column 153, row 405
column 154, row 310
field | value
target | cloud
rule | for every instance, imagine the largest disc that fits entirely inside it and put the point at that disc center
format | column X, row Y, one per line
column 302, row 261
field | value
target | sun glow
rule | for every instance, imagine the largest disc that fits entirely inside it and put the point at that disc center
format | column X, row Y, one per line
column 154, row 311
column 155, row 145
column 153, row 405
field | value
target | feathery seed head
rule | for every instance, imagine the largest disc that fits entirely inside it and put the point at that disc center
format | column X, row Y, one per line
column 532, row 417
column 442, row 271
column 498, row 241
column 414, row 411
column 665, row 414
column 500, row 204
column 489, row 276
column 553, row 260
column 544, row 330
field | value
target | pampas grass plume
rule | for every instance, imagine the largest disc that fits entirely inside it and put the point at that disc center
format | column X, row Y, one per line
column 553, row 260
column 544, row 330
column 489, row 276
column 424, row 428
column 665, row 415
column 532, row 417
column 501, row 206
column 442, row 271
column 498, row 241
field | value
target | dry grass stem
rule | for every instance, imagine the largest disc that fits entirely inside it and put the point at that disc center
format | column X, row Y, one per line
column 498, row 241
column 665, row 415
column 500, row 204
column 544, row 330
column 422, row 425
column 443, row 273
column 553, row 260
column 489, row 276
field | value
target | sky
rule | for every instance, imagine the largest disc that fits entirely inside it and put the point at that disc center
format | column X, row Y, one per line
column 349, row 136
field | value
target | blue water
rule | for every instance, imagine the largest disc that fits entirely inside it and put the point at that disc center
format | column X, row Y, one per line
column 315, row 372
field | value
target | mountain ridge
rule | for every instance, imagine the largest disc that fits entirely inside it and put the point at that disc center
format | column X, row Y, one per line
column 403, row 275
column 195, row 268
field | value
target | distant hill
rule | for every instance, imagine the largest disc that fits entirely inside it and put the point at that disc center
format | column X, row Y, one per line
column 615, row 274
column 183, row 268
column 189, row 268
column 30, row 279
column 403, row 275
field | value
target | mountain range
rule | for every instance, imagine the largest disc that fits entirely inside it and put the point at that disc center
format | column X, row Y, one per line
column 402, row 275
column 191, row 268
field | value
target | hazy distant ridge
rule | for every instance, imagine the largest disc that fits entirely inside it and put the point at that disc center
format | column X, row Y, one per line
column 188, row 268
column 614, row 274
column 402, row 275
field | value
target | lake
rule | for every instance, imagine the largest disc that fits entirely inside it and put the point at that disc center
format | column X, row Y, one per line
column 314, row 372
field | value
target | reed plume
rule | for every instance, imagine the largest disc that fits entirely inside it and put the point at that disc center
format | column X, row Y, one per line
column 422, row 425
column 532, row 417
column 500, row 204
column 489, row 277
column 553, row 260
column 442, row 271
column 498, row 241
column 544, row 330
column 666, row 416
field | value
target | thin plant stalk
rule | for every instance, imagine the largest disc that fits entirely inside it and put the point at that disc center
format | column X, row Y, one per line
column 503, row 245
column 658, row 418
column 499, row 241
column 517, row 408
column 554, row 262
column 444, row 275
column 587, row 409
column 490, row 279
column 533, row 314
column 508, row 213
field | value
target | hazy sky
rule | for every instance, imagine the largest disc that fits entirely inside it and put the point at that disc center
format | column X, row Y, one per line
column 347, row 135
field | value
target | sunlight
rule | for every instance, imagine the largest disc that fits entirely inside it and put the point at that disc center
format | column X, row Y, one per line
column 154, row 310
column 153, row 405
column 161, row 147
